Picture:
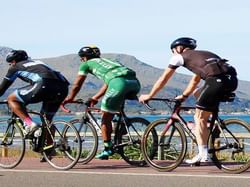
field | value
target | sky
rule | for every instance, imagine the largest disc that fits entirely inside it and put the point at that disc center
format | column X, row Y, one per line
column 142, row 28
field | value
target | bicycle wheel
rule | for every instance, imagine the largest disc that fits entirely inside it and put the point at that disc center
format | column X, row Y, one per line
column 131, row 151
column 12, row 145
column 170, row 146
column 232, row 152
column 63, row 152
column 89, row 140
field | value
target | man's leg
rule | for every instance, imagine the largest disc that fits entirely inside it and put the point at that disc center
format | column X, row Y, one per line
column 106, row 129
column 20, row 110
column 17, row 107
column 201, row 132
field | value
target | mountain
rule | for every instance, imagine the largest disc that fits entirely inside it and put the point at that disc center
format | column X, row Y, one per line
column 147, row 74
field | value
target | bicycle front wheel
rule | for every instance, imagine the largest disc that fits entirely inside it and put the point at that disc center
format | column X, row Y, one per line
column 130, row 149
column 62, row 145
column 230, row 148
column 89, row 139
column 170, row 146
column 12, row 145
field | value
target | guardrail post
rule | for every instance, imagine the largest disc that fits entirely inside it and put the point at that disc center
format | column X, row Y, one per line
column 217, row 144
column 5, row 151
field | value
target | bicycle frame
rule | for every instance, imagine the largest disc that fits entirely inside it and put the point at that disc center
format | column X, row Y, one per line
column 14, row 119
column 216, row 122
column 175, row 116
column 89, row 116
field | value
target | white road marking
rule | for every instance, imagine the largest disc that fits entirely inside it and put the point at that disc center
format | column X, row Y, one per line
column 238, row 176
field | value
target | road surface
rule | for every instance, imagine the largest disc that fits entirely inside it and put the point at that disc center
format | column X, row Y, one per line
column 117, row 173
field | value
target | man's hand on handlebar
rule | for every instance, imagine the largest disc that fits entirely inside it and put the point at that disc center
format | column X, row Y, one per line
column 91, row 102
column 67, row 100
column 181, row 97
column 144, row 98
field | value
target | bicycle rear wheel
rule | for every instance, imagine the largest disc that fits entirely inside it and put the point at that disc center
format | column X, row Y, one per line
column 131, row 151
column 170, row 146
column 232, row 152
column 63, row 152
column 12, row 145
column 89, row 140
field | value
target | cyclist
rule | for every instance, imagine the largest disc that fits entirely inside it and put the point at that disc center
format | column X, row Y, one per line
column 119, row 81
column 219, row 77
column 45, row 85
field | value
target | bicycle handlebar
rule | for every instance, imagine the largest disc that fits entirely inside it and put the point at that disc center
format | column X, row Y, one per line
column 177, row 102
column 78, row 101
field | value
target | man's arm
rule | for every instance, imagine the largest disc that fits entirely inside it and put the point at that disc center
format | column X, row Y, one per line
column 160, row 83
column 192, row 85
column 76, row 87
column 4, row 86
column 101, row 92
column 190, row 88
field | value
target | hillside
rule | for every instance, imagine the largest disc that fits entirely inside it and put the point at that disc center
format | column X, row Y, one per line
column 147, row 75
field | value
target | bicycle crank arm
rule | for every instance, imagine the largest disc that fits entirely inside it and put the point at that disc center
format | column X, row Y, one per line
column 121, row 145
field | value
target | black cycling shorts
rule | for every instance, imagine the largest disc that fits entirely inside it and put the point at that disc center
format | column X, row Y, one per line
column 213, row 90
column 49, row 91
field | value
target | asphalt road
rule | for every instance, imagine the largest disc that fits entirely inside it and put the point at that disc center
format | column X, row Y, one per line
column 117, row 173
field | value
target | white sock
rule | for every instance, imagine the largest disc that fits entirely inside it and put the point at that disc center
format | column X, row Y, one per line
column 203, row 151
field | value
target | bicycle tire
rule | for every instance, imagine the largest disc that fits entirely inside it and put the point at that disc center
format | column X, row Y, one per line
column 89, row 140
column 12, row 145
column 131, row 152
column 64, row 152
column 235, row 158
column 171, row 149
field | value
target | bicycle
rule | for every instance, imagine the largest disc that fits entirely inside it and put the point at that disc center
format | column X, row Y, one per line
column 228, row 142
column 54, row 145
column 126, row 137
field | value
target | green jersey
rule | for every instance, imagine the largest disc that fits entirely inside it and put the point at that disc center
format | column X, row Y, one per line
column 104, row 69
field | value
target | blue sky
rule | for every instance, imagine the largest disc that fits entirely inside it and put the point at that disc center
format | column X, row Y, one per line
column 142, row 28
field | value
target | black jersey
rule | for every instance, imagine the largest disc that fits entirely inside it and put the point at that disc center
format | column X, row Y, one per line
column 203, row 63
column 32, row 71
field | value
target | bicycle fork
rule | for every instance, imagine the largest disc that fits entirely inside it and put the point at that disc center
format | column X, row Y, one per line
column 9, row 133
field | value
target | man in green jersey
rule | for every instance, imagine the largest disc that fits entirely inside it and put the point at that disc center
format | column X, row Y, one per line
column 119, row 82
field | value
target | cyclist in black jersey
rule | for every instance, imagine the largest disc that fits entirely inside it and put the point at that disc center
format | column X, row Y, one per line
column 219, row 77
column 45, row 85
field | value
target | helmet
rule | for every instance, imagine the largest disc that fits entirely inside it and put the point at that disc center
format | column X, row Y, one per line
column 17, row 55
column 89, row 52
column 184, row 41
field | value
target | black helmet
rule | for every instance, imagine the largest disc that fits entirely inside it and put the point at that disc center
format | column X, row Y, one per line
column 184, row 41
column 17, row 55
column 89, row 52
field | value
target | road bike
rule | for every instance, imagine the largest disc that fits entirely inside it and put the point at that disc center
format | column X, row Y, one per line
column 126, row 139
column 228, row 142
column 61, row 149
